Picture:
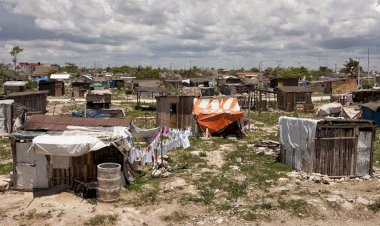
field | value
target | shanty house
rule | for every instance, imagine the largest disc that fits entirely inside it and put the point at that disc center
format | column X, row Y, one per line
column 218, row 116
column 14, row 86
column 175, row 111
column 330, row 146
column 288, row 97
column 56, row 151
column 371, row 111
column 151, row 91
column 195, row 82
column 281, row 82
column 79, row 88
column 54, row 87
column 61, row 77
column 115, row 82
column 33, row 101
column 334, row 86
column 364, row 96
column 98, row 99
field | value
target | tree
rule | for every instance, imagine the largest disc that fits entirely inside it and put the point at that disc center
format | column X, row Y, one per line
column 70, row 68
column 15, row 50
column 351, row 67
column 254, row 69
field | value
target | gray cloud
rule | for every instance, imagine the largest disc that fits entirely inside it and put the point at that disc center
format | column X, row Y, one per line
column 212, row 33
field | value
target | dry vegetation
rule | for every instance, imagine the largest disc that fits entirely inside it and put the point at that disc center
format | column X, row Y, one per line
column 218, row 181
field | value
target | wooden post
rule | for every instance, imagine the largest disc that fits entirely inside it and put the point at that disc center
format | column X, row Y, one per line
column 249, row 110
column 162, row 156
column 146, row 121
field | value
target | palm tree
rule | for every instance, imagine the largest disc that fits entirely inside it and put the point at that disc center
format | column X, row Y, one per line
column 351, row 67
column 15, row 50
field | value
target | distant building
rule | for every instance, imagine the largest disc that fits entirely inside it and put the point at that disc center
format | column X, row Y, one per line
column 45, row 69
column 248, row 74
column 175, row 111
column 14, row 86
column 28, row 68
column 288, row 97
column 54, row 87
column 334, row 86
column 62, row 76
column 98, row 99
column 280, row 82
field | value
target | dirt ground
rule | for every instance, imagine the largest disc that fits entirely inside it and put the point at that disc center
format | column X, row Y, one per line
column 214, row 182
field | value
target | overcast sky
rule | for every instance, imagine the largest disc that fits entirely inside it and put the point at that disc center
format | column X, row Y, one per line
column 208, row 33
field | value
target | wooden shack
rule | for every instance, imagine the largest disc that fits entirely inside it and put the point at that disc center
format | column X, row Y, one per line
column 288, row 97
column 364, row 96
column 54, row 87
column 98, row 99
column 33, row 101
column 175, row 111
column 79, row 88
column 35, row 169
column 281, row 82
column 151, row 91
column 334, row 147
column 334, row 86
column 14, row 86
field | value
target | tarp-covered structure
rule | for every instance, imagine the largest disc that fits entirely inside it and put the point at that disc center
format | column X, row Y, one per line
column 335, row 109
column 216, row 114
column 330, row 146
column 49, row 159
column 371, row 111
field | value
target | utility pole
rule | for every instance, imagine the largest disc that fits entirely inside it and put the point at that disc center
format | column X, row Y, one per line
column 368, row 65
column 359, row 81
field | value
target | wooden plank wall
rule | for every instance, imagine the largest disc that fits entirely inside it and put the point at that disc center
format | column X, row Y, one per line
column 84, row 167
column 336, row 151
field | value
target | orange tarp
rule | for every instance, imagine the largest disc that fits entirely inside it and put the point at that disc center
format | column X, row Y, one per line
column 216, row 114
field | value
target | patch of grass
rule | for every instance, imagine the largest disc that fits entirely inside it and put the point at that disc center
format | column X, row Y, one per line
column 375, row 207
column 146, row 193
column 258, row 168
column 251, row 216
column 377, row 149
column 176, row 216
column 6, row 168
column 185, row 159
column 102, row 219
column 32, row 214
column 297, row 207
column 5, row 152
column 140, row 113
column 92, row 201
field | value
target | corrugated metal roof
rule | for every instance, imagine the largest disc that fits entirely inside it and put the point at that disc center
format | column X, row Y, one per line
column 374, row 105
column 99, row 92
column 60, row 76
column 15, row 83
column 152, row 89
column 59, row 123
column 27, row 93
column 249, row 81
column 295, row 89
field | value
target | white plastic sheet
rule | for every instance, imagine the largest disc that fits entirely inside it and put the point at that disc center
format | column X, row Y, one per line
column 296, row 137
column 66, row 145
column 329, row 109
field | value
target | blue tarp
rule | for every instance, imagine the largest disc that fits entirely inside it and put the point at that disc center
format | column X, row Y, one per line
column 103, row 113
column 369, row 114
column 112, row 83
column 40, row 78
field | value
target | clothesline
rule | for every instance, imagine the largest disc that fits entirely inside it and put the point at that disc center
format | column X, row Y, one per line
column 159, row 146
